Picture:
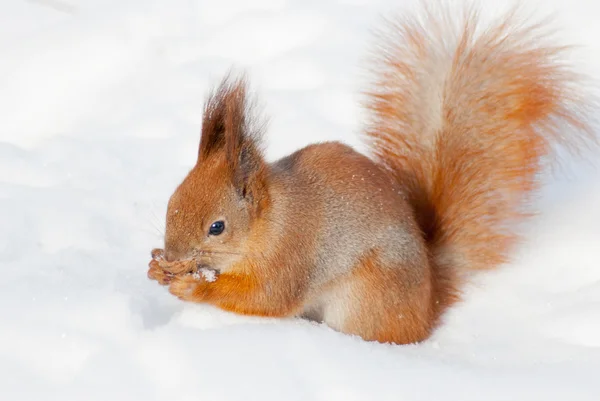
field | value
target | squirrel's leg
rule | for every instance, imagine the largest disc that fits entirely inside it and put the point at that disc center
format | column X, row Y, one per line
column 244, row 293
column 381, row 303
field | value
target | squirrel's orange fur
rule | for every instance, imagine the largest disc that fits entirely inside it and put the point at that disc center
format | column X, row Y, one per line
column 460, row 126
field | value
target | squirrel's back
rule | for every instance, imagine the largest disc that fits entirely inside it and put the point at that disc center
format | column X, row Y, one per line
column 351, row 205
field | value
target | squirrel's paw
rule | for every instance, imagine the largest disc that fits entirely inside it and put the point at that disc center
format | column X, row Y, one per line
column 156, row 272
column 184, row 286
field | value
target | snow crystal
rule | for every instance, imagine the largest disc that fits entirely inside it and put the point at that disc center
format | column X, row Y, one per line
column 208, row 274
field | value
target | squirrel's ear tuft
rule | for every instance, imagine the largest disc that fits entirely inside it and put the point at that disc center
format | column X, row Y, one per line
column 215, row 120
column 230, row 125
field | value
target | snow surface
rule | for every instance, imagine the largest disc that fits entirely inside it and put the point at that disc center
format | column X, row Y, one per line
column 101, row 104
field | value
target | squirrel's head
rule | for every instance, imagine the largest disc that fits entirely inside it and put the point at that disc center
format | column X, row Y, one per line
column 213, row 211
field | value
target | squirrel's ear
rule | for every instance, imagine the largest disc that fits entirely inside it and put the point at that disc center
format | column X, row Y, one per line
column 249, row 173
column 243, row 136
column 230, row 125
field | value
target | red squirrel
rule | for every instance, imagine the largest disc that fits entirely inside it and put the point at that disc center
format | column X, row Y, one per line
column 460, row 123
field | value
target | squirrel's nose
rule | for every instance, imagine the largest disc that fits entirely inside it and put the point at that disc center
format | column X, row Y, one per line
column 170, row 256
column 173, row 254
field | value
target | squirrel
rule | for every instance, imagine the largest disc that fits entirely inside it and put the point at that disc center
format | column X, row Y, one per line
column 460, row 122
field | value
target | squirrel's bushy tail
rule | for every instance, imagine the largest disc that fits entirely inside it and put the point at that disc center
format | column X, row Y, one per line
column 467, row 117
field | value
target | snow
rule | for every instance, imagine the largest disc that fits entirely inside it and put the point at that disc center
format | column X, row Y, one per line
column 207, row 274
column 101, row 104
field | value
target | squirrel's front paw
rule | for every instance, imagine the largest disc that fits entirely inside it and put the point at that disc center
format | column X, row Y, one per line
column 156, row 272
column 189, row 287
column 184, row 286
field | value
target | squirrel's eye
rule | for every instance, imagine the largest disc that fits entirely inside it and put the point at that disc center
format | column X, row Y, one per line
column 216, row 228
